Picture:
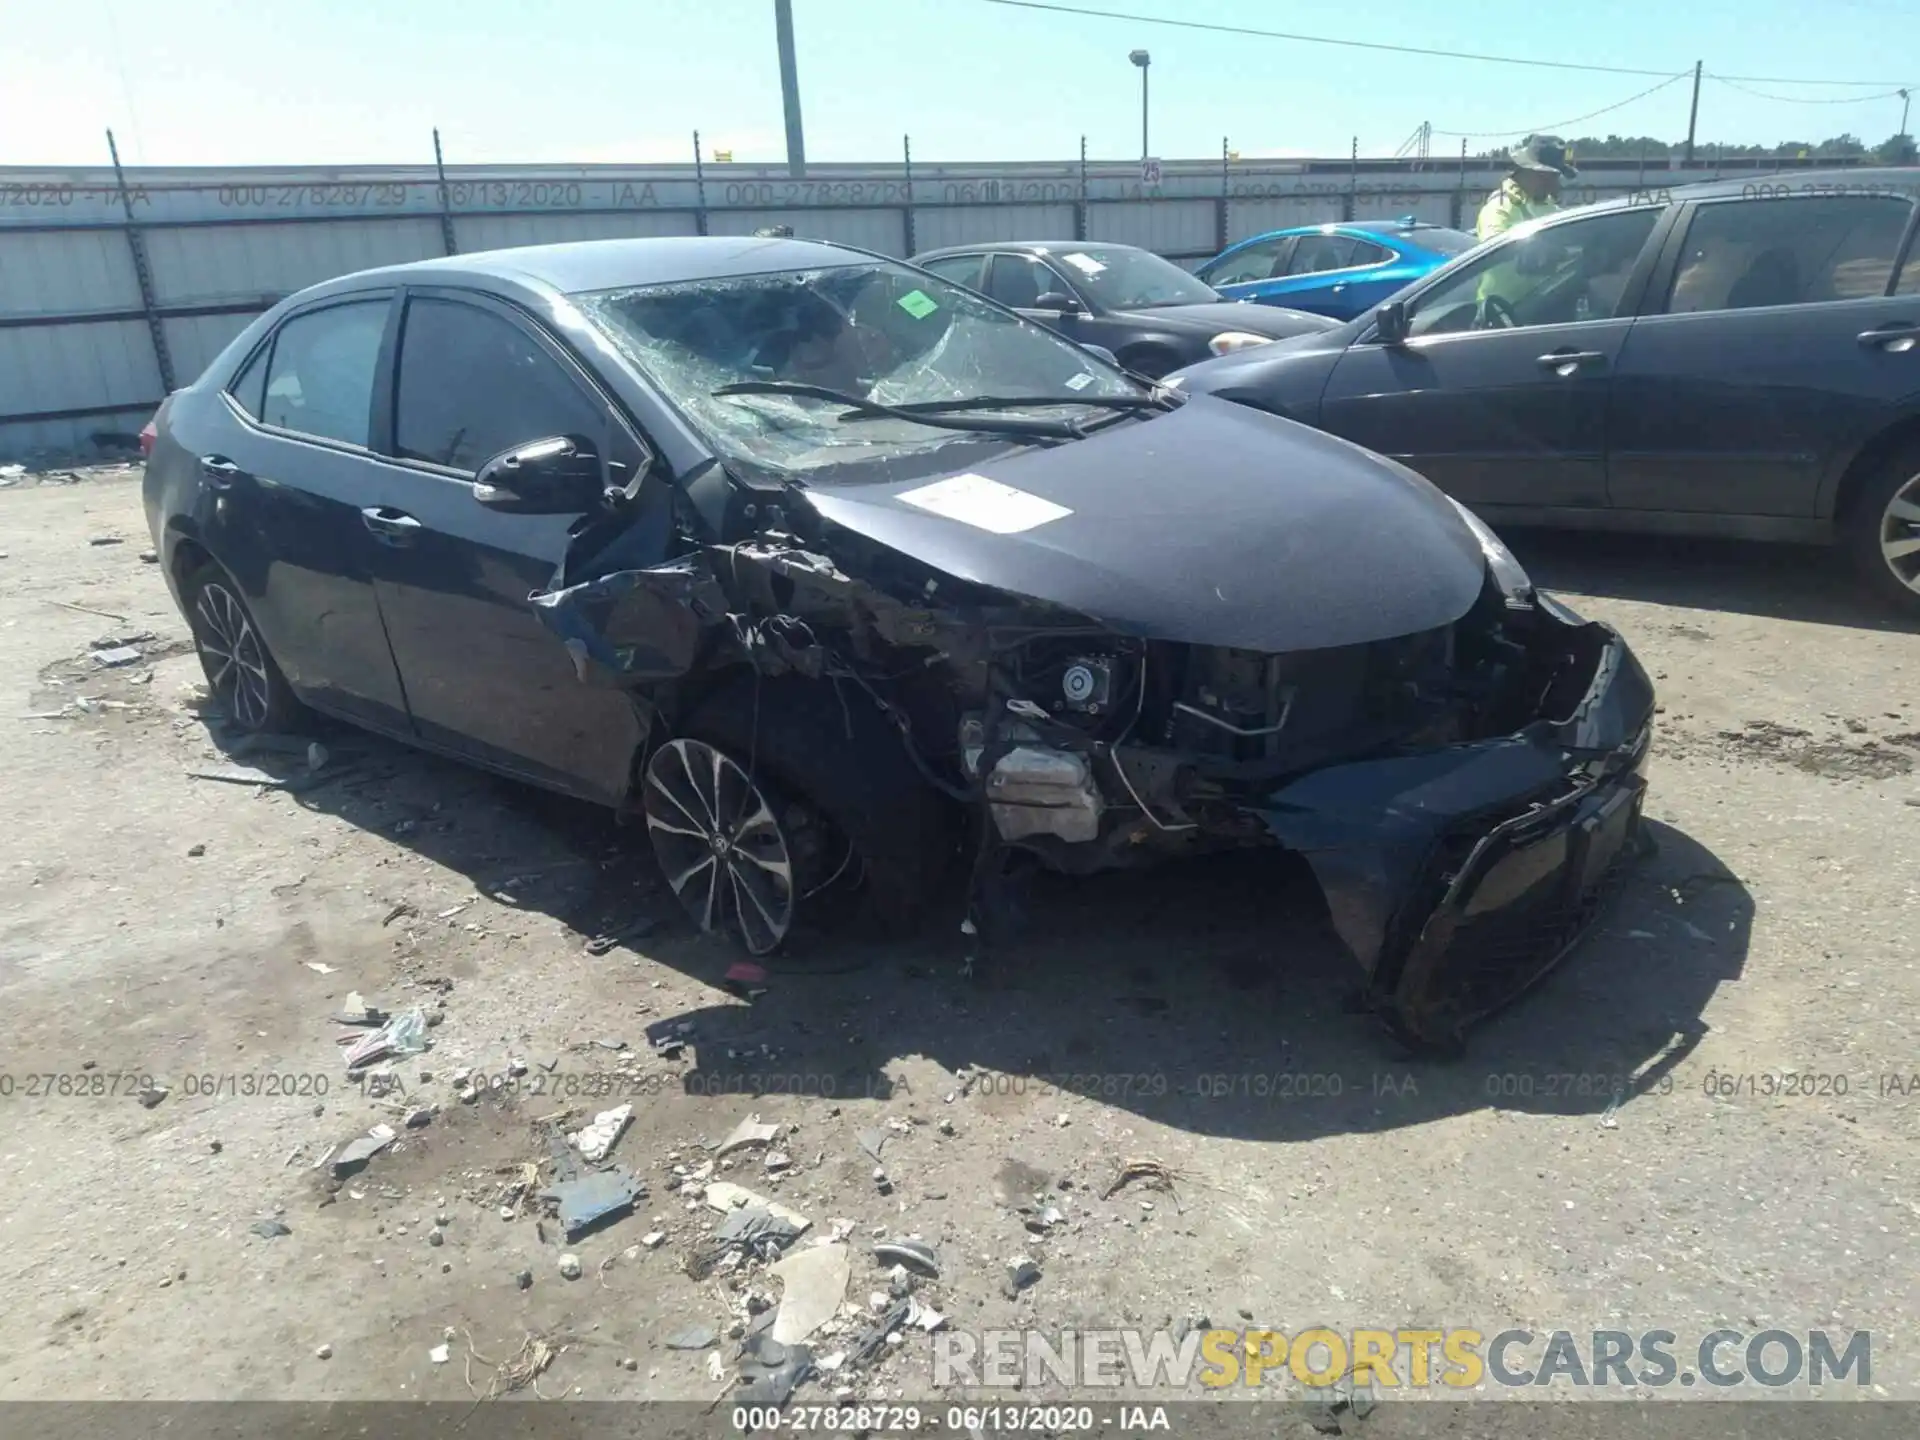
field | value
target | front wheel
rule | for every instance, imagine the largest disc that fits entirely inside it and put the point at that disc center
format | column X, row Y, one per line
column 782, row 799
column 1882, row 532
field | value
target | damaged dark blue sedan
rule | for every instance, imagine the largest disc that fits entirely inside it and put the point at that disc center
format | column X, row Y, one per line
column 835, row 573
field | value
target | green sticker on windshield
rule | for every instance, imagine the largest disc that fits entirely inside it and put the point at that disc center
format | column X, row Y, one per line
column 918, row 304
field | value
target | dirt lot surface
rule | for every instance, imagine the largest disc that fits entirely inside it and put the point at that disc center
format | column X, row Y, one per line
column 1617, row 1151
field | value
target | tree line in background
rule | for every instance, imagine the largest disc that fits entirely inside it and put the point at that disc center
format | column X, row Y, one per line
column 1894, row 150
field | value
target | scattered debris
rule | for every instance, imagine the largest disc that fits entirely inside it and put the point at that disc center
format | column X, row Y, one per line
column 1159, row 1175
column 323, row 1352
column 771, row 1368
column 924, row 1317
column 439, row 1354
column 269, row 1229
column 354, row 1155
column 106, row 540
column 669, row 1037
column 404, row 1034
column 874, row 1338
column 319, row 967
column 726, row 1197
column 1021, row 1273
column 638, row 928
column 777, row 1160
column 595, row 1199
column 149, row 557
column 1045, row 1219
column 523, row 1280
column 881, row 1182
column 119, row 655
column 653, row 1239
column 569, row 1266
column 1017, row 1183
column 534, row 1356
column 873, row 1141
column 403, row 908
column 694, row 1337
column 151, row 1093
column 749, row 1131
column 755, row 1230
column 195, row 851
column 716, row 1367
column 815, row 1281
column 745, row 979
column 596, row 1141
column 916, row 1255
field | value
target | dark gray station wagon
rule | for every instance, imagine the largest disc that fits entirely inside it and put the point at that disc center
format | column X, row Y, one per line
column 1739, row 358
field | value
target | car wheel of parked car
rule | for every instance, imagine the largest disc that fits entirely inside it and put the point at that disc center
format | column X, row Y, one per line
column 783, row 797
column 1883, row 531
column 242, row 675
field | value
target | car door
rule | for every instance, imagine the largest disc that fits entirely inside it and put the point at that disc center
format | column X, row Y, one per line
column 1370, row 275
column 1251, row 272
column 1778, row 347
column 1504, row 401
column 285, row 468
column 484, row 677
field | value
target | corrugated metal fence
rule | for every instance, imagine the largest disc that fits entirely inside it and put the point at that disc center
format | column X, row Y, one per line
column 117, row 286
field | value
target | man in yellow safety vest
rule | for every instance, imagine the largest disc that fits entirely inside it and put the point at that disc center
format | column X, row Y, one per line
column 1531, row 189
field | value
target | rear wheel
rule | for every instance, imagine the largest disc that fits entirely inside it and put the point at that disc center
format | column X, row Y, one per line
column 241, row 674
column 1882, row 531
column 778, row 803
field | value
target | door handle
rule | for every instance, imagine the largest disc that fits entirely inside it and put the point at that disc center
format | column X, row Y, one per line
column 220, row 471
column 1565, row 363
column 390, row 526
column 1895, row 339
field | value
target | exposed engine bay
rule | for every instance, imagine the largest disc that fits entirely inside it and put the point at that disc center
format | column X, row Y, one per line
column 1092, row 748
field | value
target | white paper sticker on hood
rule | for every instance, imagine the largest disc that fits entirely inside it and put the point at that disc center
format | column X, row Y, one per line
column 984, row 504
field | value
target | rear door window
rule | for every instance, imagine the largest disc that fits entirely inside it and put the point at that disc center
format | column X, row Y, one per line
column 1264, row 261
column 960, row 269
column 1313, row 254
column 1365, row 252
column 319, row 378
column 1810, row 250
column 472, row 384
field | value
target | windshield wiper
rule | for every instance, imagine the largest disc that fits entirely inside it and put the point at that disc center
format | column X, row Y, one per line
column 873, row 410
column 1017, row 402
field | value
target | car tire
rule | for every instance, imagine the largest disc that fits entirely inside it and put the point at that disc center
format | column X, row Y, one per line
column 833, row 821
column 242, row 676
column 1875, row 531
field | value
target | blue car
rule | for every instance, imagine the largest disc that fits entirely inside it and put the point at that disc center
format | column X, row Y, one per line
column 1337, row 270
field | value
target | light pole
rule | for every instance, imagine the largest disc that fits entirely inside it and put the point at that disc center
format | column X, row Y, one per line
column 1142, row 59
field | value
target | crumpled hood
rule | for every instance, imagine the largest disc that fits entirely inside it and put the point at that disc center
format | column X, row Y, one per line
column 1214, row 524
column 1212, row 320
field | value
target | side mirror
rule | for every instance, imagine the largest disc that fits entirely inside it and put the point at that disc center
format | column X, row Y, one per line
column 1101, row 352
column 1390, row 325
column 556, row 476
column 1059, row 303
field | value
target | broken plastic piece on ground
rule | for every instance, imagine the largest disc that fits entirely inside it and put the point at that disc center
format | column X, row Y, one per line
column 151, row 1094
column 924, row 1317
column 749, row 1131
column 725, row 1196
column 595, row 1199
column 815, row 1281
column 116, row 656
column 771, row 1368
column 595, row 1141
column 404, row 1034
column 269, row 1229
column 872, row 1141
column 916, row 1255
column 637, row 928
column 745, row 979
column 1021, row 1272
column 668, row 1037
column 694, row 1337
column 873, row 1339
column 357, row 1152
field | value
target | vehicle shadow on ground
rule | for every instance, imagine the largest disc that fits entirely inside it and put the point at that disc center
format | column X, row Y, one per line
column 1210, row 996
column 1782, row 582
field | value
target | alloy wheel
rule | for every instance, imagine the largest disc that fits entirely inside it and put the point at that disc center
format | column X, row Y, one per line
column 720, row 843
column 232, row 656
column 1900, row 534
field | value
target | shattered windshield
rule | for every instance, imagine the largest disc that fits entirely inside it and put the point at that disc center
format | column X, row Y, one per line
column 879, row 331
column 1121, row 279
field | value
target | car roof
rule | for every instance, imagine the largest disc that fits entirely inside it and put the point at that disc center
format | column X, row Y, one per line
column 576, row 266
column 1786, row 182
column 1021, row 247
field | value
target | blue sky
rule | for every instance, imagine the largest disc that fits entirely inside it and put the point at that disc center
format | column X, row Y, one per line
column 210, row 82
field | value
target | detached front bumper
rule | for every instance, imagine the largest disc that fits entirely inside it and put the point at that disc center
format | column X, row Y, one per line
column 1459, row 877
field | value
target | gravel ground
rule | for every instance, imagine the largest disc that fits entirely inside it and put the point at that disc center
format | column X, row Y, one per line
column 204, row 933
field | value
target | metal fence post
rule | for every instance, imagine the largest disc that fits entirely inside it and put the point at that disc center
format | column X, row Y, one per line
column 1226, row 192
column 906, row 154
column 1457, row 211
column 699, row 188
column 1353, row 181
column 143, row 273
column 446, row 198
column 1080, row 205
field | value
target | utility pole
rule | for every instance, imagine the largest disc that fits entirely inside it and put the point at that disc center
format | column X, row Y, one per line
column 1905, row 99
column 1142, row 59
column 1693, row 114
column 790, row 88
